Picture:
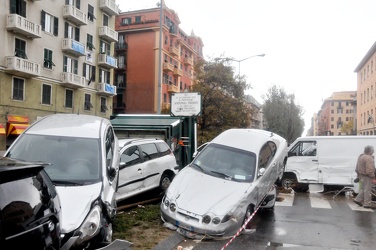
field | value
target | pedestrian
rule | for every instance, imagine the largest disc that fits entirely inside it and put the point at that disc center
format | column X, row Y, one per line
column 365, row 169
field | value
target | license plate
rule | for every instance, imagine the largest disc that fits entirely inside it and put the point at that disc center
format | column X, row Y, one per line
column 185, row 226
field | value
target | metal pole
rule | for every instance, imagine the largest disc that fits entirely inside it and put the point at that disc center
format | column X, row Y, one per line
column 160, row 61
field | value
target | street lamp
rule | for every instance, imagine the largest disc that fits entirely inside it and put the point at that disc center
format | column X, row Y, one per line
column 239, row 61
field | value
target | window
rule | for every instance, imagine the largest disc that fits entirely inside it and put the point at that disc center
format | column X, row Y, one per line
column 105, row 48
column 75, row 3
column 119, row 101
column 126, row 21
column 149, row 151
column 163, row 149
column 49, row 23
column 266, row 154
column 332, row 119
column 89, row 42
column 104, row 104
column 121, row 60
column 131, row 156
column 18, row 7
column 332, row 111
column 89, row 72
column 70, row 65
column 18, row 89
column 20, row 48
column 120, row 79
column 46, row 94
column 104, row 76
column 47, row 63
column 305, row 148
column 69, row 98
column 87, row 105
column 71, row 32
column 90, row 13
column 105, row 20
column 137, row 19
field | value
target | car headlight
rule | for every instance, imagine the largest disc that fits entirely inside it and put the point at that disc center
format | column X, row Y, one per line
column 206, row 219
column 90, row 226
column 216, row 220
column 173, row 207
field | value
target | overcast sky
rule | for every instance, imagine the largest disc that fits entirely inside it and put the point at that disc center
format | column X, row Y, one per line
column 311, row 47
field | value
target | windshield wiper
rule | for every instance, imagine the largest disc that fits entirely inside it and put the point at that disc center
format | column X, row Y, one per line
column 67, row 183
column 223, row 174
column 202, row 170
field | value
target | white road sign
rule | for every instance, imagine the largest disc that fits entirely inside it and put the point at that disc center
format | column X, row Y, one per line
column 185, row 104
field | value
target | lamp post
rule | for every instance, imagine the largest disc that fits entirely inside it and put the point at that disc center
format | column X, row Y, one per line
column 239, row 61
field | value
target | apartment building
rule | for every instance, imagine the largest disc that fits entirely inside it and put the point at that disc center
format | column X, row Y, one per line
column 152, row 69
column 55, row 57
column 366, row 92
column 336, row 112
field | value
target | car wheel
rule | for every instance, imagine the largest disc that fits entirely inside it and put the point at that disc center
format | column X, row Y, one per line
column 248, row 213
column 288, row 181
column 165, row 182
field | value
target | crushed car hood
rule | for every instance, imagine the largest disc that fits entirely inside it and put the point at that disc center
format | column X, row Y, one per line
column 75, row 204
column 199, row 193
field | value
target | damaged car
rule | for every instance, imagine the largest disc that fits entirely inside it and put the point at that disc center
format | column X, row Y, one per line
column 83, row 154
column 226, row 182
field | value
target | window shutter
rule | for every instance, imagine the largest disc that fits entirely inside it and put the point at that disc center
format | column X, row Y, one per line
column 78, row 4
column 93, row 73
column 13, row 6
column 84, row 71
column 23, row 9
column 75, row 67
column 65, row 62
column 65, row 30
column 43, row 19
column 56, row 26
column 77, row 34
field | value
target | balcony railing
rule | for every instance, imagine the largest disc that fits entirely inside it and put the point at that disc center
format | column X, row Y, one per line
column 108, row 34
column 75, row 15
column 188, row 61
column 121, row 46
column 178, row 72
column 107, row 61
column 71, row 80
column 73, row 47
column 22, row 67
column 173, row 89
column 106, row 89
column 174, row 51
column 168, row 67
column 21, row 25
column 109, row 6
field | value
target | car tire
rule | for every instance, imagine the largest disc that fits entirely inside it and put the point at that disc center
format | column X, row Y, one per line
column 165, row 182
column 248, row 213
column 288, row 181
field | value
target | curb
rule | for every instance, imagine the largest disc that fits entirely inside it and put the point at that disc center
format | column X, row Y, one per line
column 169, row 243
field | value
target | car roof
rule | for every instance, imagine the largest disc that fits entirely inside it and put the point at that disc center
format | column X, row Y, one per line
column 85, row 126
column 127, row 141
column 247, row 139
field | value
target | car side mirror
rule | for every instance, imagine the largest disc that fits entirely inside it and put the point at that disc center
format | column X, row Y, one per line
column 261, row 172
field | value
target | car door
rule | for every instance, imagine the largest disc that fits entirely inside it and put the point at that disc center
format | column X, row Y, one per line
column 130, row 172
column 267, row 167
column 153, row 166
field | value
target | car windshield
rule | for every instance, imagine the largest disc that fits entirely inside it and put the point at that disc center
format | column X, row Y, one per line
column 74, row 161
column 227, row 162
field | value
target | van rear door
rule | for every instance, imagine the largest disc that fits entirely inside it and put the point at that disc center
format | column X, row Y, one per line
column 303, row 161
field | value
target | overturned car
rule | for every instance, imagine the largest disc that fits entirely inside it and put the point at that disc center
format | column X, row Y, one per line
column 225, row 183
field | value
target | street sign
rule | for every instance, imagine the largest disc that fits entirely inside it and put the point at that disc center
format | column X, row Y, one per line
column 185, row 104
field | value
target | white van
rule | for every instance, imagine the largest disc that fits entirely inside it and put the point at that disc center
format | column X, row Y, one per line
column 324, row 160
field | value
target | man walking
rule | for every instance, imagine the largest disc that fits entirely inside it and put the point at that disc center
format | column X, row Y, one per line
column 365, row 168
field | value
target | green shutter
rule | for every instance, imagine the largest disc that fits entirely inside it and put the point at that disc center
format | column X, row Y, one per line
column 13, row 6
column 56, row 26
column 43, row 19
column 77, row 34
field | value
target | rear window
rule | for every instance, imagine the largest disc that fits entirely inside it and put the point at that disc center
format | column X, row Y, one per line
column 163, row 148
column 149, row 151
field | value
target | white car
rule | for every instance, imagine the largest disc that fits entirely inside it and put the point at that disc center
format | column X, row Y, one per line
column 145, row 164
column 232, row 176
column 84, row 155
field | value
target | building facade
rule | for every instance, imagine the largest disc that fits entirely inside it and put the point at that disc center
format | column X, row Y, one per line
column 55, row 57
column 366, row 93
column 337, row 115
column 152, row 69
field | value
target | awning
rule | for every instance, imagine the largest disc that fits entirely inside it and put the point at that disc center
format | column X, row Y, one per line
column 2, row 130
column 16, row 128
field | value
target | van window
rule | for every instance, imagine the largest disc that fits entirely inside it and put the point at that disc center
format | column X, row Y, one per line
column 304, row 148
column 149, row 151
column 163, row 149
column 110, row 145
column 130, row 156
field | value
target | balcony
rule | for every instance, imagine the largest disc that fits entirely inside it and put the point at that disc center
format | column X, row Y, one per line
column 109, row 7
column 22, row 67
column 108, row 34
column 21, row 25
column 166, row 105
column 168, row 67
column 73, row 47
column 120, row 87
column 174, row 51
column 72, row 81
column 106, row 89
column 121, row 46
column 74, row 15
column 178, row 72
column 188, row 61
column 107, row 61
column 173, row 89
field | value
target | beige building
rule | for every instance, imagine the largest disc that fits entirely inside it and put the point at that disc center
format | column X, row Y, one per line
column 337, row 115
column 366, row 92
column 55, row 57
